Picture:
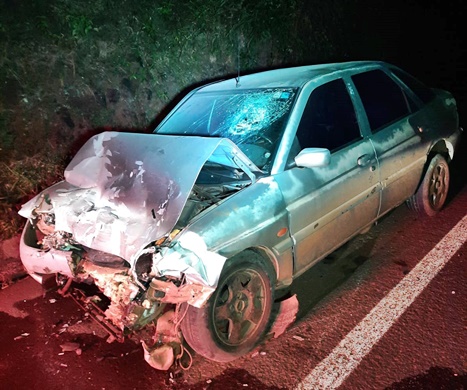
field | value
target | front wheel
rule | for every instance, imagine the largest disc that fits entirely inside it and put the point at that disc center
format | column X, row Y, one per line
column 234, row 319
column 432, row 193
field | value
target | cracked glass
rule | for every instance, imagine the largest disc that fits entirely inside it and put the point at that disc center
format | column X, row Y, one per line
column 253, row 119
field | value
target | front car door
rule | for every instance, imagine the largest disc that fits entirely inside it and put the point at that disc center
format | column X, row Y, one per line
column 328, row 205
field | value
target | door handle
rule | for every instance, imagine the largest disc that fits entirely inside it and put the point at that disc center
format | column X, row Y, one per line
column 364, row 160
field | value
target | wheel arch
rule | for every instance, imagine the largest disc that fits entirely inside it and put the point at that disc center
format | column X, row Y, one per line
column 432, row 191
column 443, row 147
column 261, row 255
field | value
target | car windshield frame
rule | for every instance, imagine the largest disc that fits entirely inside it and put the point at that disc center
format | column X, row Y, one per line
column 253, row 119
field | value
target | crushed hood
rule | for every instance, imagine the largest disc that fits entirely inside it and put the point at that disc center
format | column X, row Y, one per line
column 125, row 190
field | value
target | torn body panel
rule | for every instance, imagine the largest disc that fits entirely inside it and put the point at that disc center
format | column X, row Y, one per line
column 123, row 191
column 117, row 200
column 39, row 262
column 114, row 222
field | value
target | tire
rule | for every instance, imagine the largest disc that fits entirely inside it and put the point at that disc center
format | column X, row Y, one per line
column 433, row 190
column 234, row 319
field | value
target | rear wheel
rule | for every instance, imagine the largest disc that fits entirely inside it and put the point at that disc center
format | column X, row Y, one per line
column 432, row 193
column 234, row 319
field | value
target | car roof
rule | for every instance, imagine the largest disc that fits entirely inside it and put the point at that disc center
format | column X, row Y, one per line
column 289, row 77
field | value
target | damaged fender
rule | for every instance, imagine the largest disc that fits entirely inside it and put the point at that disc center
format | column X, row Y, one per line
column 122, row 192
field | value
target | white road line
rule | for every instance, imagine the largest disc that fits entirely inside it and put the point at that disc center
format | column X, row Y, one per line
column 339, row 364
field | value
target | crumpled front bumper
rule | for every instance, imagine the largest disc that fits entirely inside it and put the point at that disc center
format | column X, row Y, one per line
column 39, row 262
column 185, row 273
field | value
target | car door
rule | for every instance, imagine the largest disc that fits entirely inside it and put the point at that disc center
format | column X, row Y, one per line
column 398, row 146
column 328, row 205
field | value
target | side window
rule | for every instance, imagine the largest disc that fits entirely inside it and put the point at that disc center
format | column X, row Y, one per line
column 424, row 93
column 383, row 100
column 329, row 119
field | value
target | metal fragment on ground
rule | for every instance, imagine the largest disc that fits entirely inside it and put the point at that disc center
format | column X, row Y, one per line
column 69, row 346
column 286, row 316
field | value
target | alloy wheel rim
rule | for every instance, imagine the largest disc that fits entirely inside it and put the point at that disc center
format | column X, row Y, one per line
column 438, row 187
column 239, row 307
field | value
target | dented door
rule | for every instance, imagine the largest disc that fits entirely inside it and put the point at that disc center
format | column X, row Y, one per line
column 328, row 205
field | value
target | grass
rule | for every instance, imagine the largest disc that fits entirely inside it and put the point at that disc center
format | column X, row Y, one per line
column 21, row 179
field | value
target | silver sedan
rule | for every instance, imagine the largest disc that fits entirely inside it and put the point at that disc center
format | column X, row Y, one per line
column 245, row 185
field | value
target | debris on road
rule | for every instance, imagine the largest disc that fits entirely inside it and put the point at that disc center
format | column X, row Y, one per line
column 69, row 346
column 63, row 328
column 286, row 316
column 298, row 338
column 21, row 336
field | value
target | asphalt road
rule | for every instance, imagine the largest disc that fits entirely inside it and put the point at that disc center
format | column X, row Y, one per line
column 424, row 348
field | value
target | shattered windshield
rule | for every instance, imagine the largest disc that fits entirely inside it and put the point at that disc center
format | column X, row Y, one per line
column 253, row 119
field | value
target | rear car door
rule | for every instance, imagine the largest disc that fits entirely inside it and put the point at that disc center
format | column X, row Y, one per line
column 400, row 154
column 328, row 205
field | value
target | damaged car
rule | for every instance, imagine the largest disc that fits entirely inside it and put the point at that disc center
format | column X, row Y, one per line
column 193, row 231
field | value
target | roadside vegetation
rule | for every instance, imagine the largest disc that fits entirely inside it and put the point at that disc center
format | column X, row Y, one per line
column 69, row 70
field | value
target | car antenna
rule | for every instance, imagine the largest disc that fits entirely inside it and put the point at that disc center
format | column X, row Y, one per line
column 237, row 79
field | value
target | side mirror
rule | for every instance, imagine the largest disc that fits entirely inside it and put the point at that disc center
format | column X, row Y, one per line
column 313, row 157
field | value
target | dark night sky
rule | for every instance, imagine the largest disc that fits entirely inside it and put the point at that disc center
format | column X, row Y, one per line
column 426, row 38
